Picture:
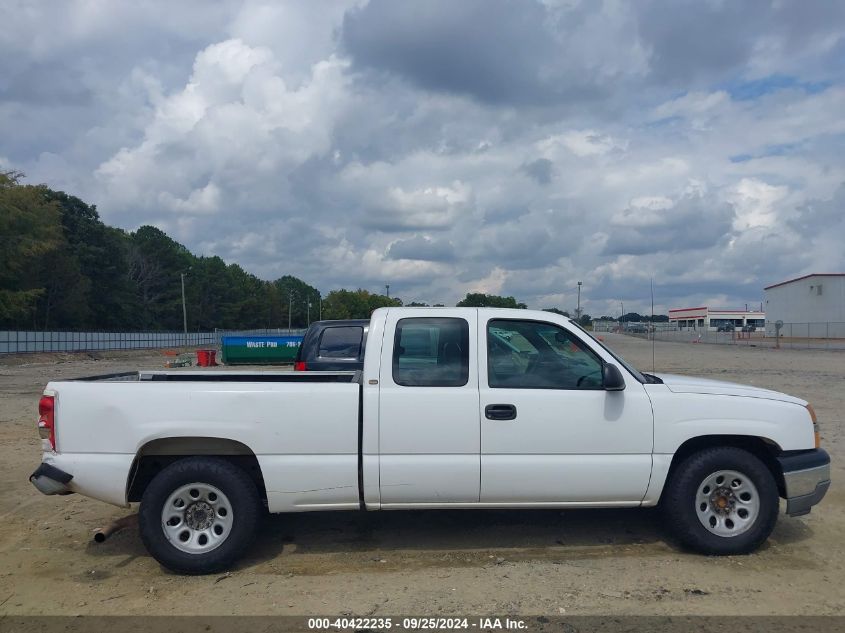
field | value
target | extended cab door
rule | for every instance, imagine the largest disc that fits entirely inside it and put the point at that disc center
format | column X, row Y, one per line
column 429, row 444
column 549, row 432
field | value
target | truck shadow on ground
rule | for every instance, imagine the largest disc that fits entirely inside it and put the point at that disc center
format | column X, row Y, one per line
column 316, row 543
column 321, row 543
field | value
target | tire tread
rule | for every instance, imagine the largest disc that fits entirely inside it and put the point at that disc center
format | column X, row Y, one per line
column 233, row 481
column 679, row 510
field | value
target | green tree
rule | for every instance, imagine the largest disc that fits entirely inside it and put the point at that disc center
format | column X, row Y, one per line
column 481, row 300
column 207, row 293
column 30, row 232
column 557, row 311
column 155, row 263
column 355, row 304
column 294, row 296
column 66, row 297
column 100, row 263
column 249, row 303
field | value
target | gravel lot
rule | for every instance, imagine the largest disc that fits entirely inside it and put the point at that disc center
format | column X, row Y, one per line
column 457, row 562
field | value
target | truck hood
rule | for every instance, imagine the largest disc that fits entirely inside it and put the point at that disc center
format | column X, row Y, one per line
column 691, row 384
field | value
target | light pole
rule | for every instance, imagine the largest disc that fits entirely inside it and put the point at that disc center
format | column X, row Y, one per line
column 578, row 310
column 308, row 318
column 320, row 298
column 184, row 309
column 387, row 290
column 290, row 308
column 622, row 316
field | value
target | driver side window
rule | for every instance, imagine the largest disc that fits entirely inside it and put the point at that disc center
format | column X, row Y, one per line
column 535, row 355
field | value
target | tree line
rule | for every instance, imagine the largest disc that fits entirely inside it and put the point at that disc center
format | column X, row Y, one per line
column 63, row 268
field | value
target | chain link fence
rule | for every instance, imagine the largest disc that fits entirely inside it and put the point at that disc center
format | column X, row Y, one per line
column 822, row 335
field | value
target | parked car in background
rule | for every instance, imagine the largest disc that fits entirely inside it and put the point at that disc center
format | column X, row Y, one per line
column 725, row 328
column 749, row 328
column 333, row 346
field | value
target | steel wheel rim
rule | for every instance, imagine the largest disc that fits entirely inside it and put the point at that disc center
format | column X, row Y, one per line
column 197, row 518
column 727, row 503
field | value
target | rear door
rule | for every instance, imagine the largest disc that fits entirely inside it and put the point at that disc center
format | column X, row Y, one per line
column 549, row 432
column 429, row 441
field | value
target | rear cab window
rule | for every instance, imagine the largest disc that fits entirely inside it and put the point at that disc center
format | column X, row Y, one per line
column 431, row 352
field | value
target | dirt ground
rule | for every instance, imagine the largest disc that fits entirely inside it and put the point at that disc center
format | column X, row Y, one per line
column 456, row 562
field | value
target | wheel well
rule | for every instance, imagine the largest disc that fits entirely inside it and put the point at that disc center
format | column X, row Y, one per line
column 764, row 449
column 160, row 453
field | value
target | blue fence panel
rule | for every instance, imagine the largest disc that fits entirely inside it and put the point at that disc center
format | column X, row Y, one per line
column 28, row 342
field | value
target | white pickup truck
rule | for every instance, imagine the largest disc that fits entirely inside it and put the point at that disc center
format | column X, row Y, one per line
column 455, row 408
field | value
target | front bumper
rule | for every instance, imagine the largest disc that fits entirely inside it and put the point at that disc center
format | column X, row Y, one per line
column 51, row 480
column 806, row 478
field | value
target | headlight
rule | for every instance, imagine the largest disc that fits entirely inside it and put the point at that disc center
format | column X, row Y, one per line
column 815, row 425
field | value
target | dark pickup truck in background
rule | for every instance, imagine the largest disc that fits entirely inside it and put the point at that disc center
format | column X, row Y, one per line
column 333, row 346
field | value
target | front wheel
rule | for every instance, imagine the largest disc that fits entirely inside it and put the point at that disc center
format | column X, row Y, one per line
column 198, row 515
column 721, row 501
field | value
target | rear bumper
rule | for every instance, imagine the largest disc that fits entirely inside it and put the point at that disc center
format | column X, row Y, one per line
column 51, row 480
column 806, row 478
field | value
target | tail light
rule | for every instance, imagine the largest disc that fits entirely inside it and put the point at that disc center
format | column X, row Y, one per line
column 47, row 420
column 300, row 366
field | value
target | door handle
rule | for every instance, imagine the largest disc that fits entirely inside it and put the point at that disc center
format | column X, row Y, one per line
column 500, row 412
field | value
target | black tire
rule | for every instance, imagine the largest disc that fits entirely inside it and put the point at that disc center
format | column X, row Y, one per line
column 680, row 499
column 240, row 492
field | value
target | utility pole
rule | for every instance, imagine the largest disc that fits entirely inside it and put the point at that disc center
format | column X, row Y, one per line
column 622, row 316
column 308, row 319
column 387, row 290
column 184, row 309
column 578, row 310
column 290, row 308
column 320, row 298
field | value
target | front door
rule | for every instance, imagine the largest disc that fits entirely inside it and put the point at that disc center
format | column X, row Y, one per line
column 549, row 432
column 429, row 444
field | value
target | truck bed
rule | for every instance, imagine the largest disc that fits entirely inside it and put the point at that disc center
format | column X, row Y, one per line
column 303, row 429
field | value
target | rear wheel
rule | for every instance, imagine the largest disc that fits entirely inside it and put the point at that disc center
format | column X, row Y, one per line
column 721, row 501
column 198, row 515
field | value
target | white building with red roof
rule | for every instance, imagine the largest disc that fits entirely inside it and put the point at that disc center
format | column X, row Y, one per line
column 716, row 319
column 814, row 298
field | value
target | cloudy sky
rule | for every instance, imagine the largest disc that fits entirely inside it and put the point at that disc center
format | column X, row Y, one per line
column 445, row 146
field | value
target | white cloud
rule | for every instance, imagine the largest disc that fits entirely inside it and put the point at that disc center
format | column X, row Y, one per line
column 580, row 142
column 693, row 105
column 756, row 203
column 204, row 200
column 234, row 116
column 430, row 207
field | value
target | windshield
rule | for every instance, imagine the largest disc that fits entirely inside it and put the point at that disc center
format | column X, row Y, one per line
column 637, row 374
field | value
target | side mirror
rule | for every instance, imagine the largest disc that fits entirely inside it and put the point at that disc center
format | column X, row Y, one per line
column 611, row 378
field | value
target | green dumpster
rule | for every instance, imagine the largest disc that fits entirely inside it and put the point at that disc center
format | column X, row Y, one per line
column 260, row 349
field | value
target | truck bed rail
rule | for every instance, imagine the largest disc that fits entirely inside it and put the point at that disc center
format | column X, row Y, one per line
column 222, row 376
